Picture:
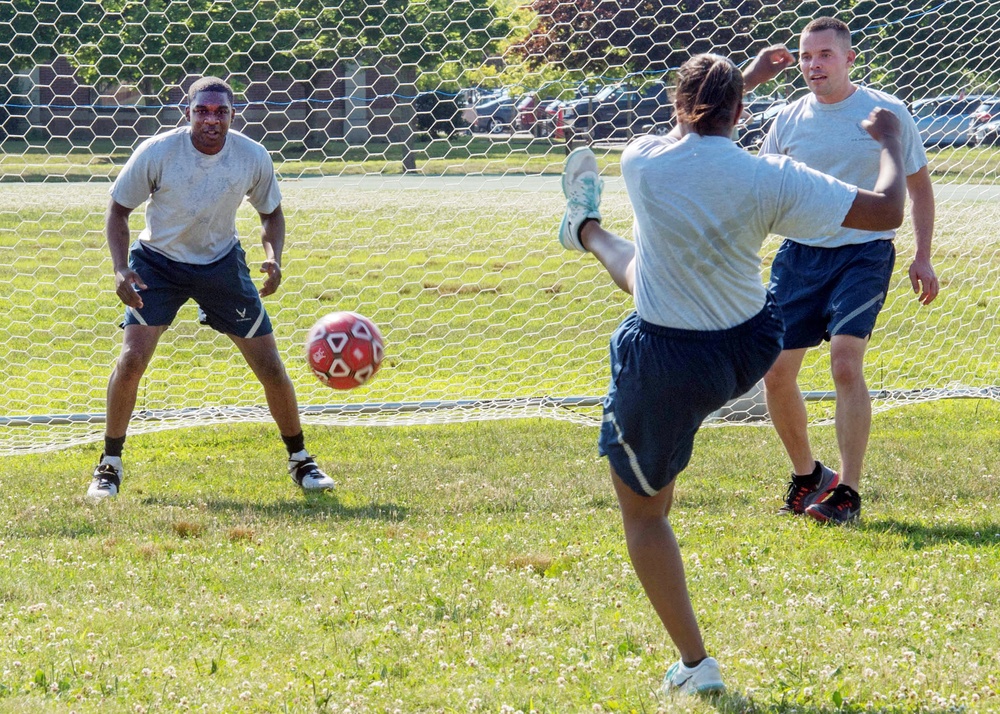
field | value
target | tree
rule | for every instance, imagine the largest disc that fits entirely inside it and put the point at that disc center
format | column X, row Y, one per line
column 602, row 36
column 159, row 42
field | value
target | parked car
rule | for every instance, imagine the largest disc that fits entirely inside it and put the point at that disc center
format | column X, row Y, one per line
column 758, row 113
column 944, row 121
column 620, row 110
column 987, row 112
column 987, row 134
column 436, row 114
column 491, row 114
column 550, row 118
column 529, row 112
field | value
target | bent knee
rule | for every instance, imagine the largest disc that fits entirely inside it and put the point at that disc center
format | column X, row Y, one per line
column 271, row 371
column 131, row 364
column 780, row 378
column 846, row 370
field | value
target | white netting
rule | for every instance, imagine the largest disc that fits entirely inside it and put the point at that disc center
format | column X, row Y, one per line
column 443, row 234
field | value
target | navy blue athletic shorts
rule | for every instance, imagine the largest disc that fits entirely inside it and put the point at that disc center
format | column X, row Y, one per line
column 665, row 382
column 223, row 290
column 830, row 291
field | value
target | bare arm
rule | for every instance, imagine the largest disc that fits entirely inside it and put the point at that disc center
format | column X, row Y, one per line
column 922, row 276
column 272, row 235
column 767, row 65
column 881, row 209
column 117, row 233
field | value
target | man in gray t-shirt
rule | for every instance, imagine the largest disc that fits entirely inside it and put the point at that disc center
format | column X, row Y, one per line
column 833, row 287
column 193, row 180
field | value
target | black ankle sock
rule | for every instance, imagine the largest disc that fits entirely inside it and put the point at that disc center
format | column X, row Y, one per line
column 295, row 443
column 695, row 663
column 844, row 488
column 113, row 447
column 809, row 479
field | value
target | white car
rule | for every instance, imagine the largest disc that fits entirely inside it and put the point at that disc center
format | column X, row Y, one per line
column 984, row 125
column 987, row 134
column 944, row 121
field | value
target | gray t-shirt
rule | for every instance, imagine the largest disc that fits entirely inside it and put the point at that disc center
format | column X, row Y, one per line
column 830, row 138
column 703, row 206
column 193, row 197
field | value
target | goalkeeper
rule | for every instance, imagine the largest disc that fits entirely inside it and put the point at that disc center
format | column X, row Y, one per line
column 831, row 286
column 192, row 180
column 705, row 329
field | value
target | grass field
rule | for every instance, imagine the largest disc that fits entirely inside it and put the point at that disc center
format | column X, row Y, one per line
column 481, row 568
column 474, row 295
column 473, row 567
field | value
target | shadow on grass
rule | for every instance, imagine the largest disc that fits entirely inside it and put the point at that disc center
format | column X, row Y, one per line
column 920, row 535
column 94, row 521
column 324, row 506
column 736, row 703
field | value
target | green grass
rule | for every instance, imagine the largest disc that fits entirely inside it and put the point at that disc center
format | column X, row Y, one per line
column 481, row 567
column 471, row 567
column 472, row 293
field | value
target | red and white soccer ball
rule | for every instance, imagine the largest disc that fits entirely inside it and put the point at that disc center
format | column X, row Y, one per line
column 344, row 349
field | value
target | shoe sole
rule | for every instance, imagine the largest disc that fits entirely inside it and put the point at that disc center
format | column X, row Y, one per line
column 574, row 245
column 821, row 518
column 700, row 691
column 314, row 489
column 575, row 152
column 710, row 689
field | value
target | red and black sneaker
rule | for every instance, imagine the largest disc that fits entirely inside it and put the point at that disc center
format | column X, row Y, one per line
column 805, row 491
column 841, row 506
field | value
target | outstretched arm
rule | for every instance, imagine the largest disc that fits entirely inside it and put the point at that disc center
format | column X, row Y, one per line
column 273, row 237
column 768, row 64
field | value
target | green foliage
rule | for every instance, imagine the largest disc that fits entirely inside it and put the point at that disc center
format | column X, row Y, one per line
column 155, row 43
column 941, row 48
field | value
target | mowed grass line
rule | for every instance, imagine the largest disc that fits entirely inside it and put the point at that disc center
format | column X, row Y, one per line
column 481, row 567
column 101, row 160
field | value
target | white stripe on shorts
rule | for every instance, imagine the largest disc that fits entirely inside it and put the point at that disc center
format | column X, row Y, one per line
column 256, row 325
column 633, row 460
column 851, row 315
column 136, row 315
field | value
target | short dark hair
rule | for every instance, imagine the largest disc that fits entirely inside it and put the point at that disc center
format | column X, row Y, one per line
column 838, row 27
column 210, row 84
column 709, row 87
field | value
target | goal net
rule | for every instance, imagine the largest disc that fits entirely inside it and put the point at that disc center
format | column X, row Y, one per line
column 419, row 145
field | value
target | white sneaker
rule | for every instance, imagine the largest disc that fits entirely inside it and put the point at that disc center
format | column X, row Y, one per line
column 307, row 474
column 107, row 478
column 582, row 186
column 703, row 679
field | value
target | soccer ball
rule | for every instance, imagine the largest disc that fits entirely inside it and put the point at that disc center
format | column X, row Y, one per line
column 344, row 349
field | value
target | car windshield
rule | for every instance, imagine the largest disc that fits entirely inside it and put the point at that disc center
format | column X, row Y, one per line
column 607, row 93
column 961, row 106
